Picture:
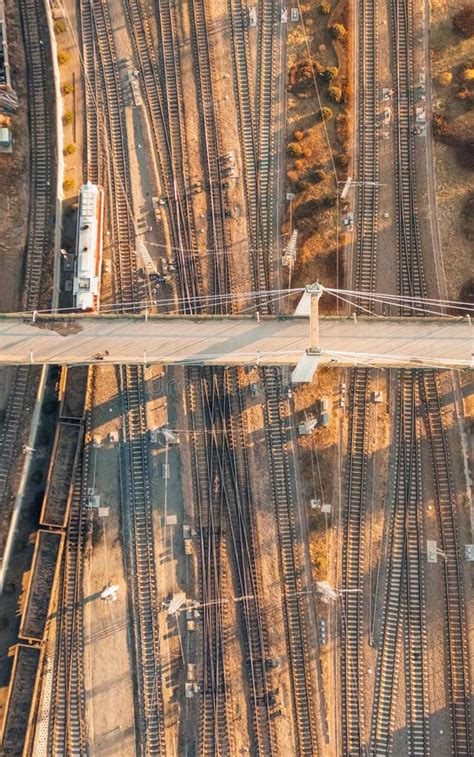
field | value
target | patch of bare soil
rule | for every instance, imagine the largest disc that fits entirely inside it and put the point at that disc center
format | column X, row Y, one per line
column 452, row 61
column 107, row 661
column 14, row 170
column 72, row 104
column 319, row 453
column 318, row 140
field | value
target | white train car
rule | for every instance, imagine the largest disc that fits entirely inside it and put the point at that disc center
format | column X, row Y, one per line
column 88, row 265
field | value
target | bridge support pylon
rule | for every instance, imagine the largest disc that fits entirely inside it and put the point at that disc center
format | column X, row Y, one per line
column 306, row 367
column 315, row 291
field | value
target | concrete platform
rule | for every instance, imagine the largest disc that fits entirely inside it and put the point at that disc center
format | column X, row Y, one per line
column 215, row 340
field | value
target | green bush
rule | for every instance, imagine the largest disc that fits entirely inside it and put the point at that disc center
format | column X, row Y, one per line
column 68, row 184
column 67, row 88
column 59, row 26
column 67, row 117
column 63, row 57
column 325, row 113
column 335, row 93
column 445, row 78
column 325, row 9
column 338, row 31
column 295, row 149
column 70, row 149
column 329, row 73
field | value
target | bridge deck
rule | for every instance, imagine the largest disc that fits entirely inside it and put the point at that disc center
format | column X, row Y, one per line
column 233, row 340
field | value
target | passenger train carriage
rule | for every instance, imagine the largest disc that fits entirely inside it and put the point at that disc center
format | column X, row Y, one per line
column 88, row 264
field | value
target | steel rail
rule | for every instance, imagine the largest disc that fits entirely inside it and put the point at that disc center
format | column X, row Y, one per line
column 98, row 40
column 41, row 209
column 93, row 113
column 404, row 598
column 239, row 512
column 244, row 88
column 216, row 734
column 368, row 155
column 118, row 194
column 140, row 555
column 67, row 719
column 163, row 99
column 459, row 691
column 209, row 118
column 269, row 13
column 353, row 567
column 405, row 582
column 411, row 274
column 352, row 656
column 412, row 282
column 295, row 612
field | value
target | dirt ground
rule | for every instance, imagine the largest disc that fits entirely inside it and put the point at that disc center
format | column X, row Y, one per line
column 312, row 174
column 454, row 181
column 271, row 598
column 72, row 103
column 14, row 169
column 107, row 661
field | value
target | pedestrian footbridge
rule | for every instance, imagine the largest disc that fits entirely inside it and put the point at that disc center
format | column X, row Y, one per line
column 236, row 340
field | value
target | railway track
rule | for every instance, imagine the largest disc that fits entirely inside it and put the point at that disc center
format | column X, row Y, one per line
column 256, row 116
column 353, row 567
column 218, row 240
column 411, row 275
column 352, row 657
column 108, row 162
column 244, row 88
column 216, row 735
column 227, row 531
column 140, row 556
column 405, row 628
column 406, row 582
column 404, row 625
column 67, row 719
column 368, row 165
column 164, row 102
column 167, row 22
column 94, row 114
column 269, row 16
column 128, row 284
column 455, row 627
column 239, row 511
column 41, row 210
column 136, row 503
column 295, row 612
column 405, row 597
column 67, row 731
column 42, row 157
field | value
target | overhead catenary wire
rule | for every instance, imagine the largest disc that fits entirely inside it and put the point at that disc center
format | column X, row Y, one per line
column 356, row 304
column 343, row 294
column 425, row 311
column 210, row 299
column 399, row 297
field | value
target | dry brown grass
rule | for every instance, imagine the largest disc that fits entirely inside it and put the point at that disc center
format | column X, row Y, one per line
column 311, row 177
column 454, row 181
